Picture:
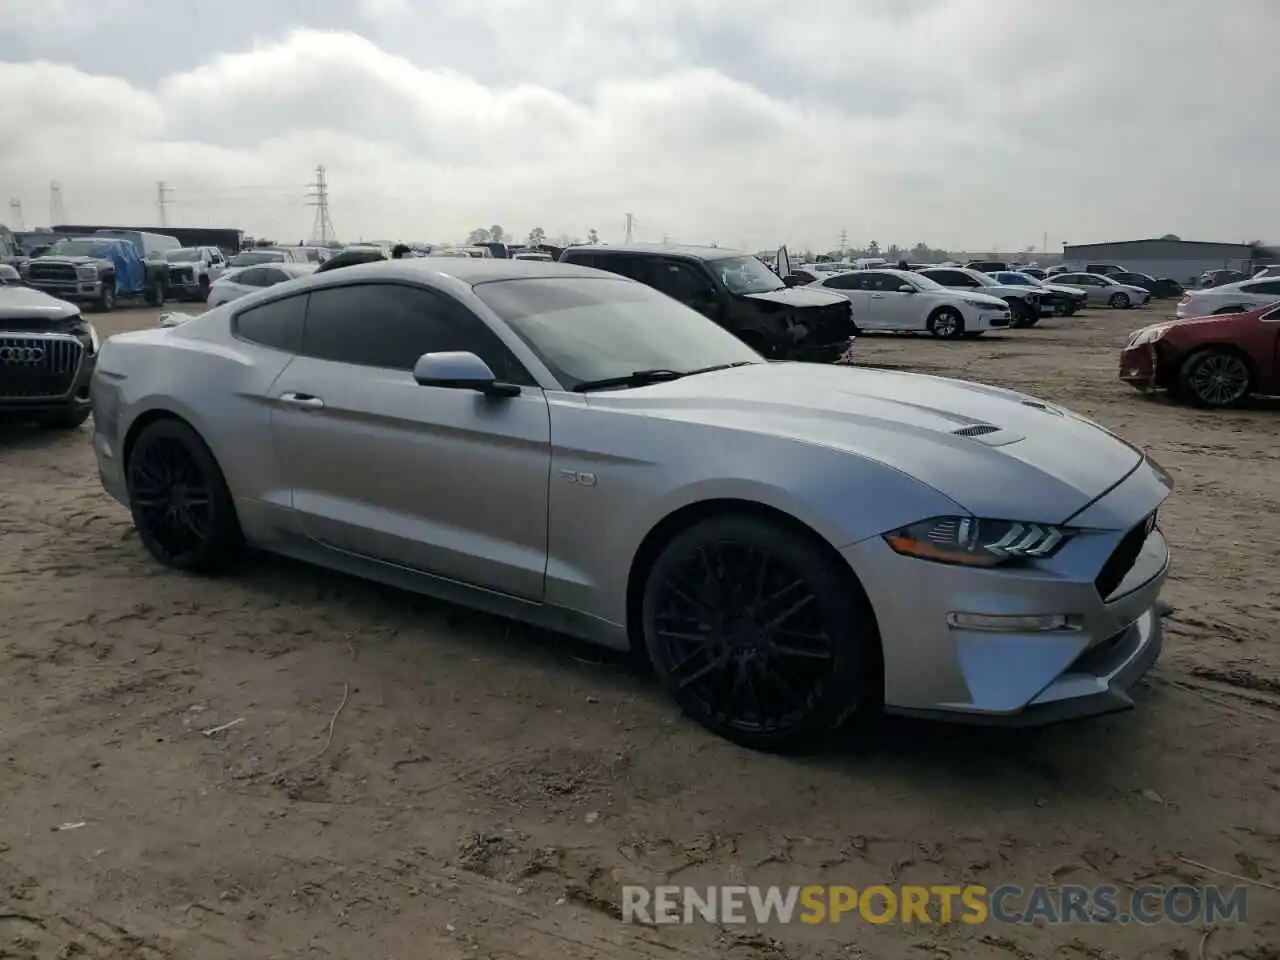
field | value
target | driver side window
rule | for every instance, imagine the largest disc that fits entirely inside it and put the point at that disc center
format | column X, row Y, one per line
column 683, row 282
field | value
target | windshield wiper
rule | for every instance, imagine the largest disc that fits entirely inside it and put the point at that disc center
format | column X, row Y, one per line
column 636, row 378
column 642, row 378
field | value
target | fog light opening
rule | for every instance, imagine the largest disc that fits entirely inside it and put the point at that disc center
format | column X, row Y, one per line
column 1017, row 623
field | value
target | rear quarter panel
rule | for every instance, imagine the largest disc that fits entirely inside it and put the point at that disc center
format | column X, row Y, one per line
column 217, row 385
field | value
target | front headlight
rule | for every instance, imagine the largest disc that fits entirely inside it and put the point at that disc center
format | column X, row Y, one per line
column 980, row 305
column 86, row 273
column 94, row 342
column 973, row 542
column 1148, row 334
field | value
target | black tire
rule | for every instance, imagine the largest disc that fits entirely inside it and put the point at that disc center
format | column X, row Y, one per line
column 1020, row 313
column 1120, row 301
column 181, row 506
column 68, row 419
column 107, row 299
column 1215, row 377
column 946, row 323
column 204, row 288
column 157, row 293
column 705, row 580
column 1060, row 309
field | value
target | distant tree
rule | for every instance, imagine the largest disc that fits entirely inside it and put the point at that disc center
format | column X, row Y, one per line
column 873, row 249
column 1172, row 236
column 496, row 234
column 894, row 253
column 592, row 236
column 537, row 236
column 478, row 235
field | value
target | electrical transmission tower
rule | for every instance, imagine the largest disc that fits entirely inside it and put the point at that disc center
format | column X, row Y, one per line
column 57, row 211
column 631, row 220
column 162, row 202
column 322, row 232
column 15, row 214
column 844, row 242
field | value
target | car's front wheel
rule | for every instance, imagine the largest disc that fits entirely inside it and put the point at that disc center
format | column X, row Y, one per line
column 179, row 499
column 947, row 323
column 1120, row 301
column 757, row 634
column 1020, row 313
column 1215, row 377
column 107, row 299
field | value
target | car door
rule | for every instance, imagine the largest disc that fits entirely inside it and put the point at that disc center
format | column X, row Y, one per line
column 690, row 284
column 446, row 481
column 890, row 307
column 1267, row 357
column 852, row 286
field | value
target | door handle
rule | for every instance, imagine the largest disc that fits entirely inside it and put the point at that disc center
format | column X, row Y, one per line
column 302, row 400
column 877, row 296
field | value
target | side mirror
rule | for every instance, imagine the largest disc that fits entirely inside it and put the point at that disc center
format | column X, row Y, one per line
column 460, row 370
column 906, row 288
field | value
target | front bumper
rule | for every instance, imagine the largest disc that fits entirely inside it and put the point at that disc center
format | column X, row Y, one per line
column 15, row 406
column 978, row 319
column 73, row 291
column 1139, row 366
column 936, row 670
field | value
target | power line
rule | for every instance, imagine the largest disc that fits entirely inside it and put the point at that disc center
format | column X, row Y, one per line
column 322, row 231
column 15, row 214
column 162, row 202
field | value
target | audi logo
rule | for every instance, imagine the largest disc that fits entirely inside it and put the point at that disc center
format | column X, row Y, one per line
column 21, row 354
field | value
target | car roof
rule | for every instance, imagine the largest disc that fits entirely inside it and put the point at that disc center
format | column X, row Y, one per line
column 660, row 249
column 468, row 270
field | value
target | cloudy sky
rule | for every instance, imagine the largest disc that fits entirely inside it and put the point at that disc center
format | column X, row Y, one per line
column 961, row 123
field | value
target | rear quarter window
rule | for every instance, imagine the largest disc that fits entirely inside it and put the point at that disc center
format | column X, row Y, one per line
column 278, row 324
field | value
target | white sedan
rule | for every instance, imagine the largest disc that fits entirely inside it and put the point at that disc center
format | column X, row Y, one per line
column 1229, row 298
column 237, row 283
column 901, row 301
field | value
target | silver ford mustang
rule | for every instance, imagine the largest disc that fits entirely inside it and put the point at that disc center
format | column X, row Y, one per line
column 788, row 543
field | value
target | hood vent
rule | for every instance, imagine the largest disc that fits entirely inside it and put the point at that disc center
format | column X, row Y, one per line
column 977, row 430
column 1037, row 405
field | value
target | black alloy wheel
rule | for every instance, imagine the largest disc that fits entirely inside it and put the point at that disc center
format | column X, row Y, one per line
column 1214, row 378
column 181, row 507
column 757, row 634
column 107, row 301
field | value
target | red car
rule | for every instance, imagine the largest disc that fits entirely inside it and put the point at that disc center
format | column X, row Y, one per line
column 1208, row 361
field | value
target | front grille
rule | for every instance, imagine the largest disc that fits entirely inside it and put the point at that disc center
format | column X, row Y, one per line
column 1123, row 558
column 35, row 367
column 52, row 271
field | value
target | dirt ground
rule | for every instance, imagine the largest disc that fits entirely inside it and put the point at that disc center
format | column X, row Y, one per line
column 397, row 778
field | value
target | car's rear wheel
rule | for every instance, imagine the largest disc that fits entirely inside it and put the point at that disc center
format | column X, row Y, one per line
column 1215, row 377
column 179, row 499
column 204, row 289
column 1120, row 301
column 947, row 323
column 756, row 633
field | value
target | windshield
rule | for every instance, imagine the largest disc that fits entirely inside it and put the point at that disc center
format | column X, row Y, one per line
column 745, row 275
column 925, row 283
column 592, row 329
column 251, row 257
column 79, row 248
column 182, row 256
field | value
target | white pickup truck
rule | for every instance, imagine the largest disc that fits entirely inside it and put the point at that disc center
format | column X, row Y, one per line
column 192, row 271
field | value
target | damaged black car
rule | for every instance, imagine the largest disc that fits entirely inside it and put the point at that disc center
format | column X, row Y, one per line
column 737, row 291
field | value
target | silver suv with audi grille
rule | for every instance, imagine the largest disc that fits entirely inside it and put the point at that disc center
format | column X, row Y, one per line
column 47, row 356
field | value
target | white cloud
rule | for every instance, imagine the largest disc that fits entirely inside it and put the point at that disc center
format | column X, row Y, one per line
column 949, row 121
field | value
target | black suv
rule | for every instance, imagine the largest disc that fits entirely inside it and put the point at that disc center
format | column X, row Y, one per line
column 739, row 293
column 47, row 355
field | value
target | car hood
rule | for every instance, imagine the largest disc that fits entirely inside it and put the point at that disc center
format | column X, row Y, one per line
column 964, row 293
column 74, row 261
column 1002, row 290
column 798, row 297
column 1063, row 288
column 28, row 306
column 1030, row 461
